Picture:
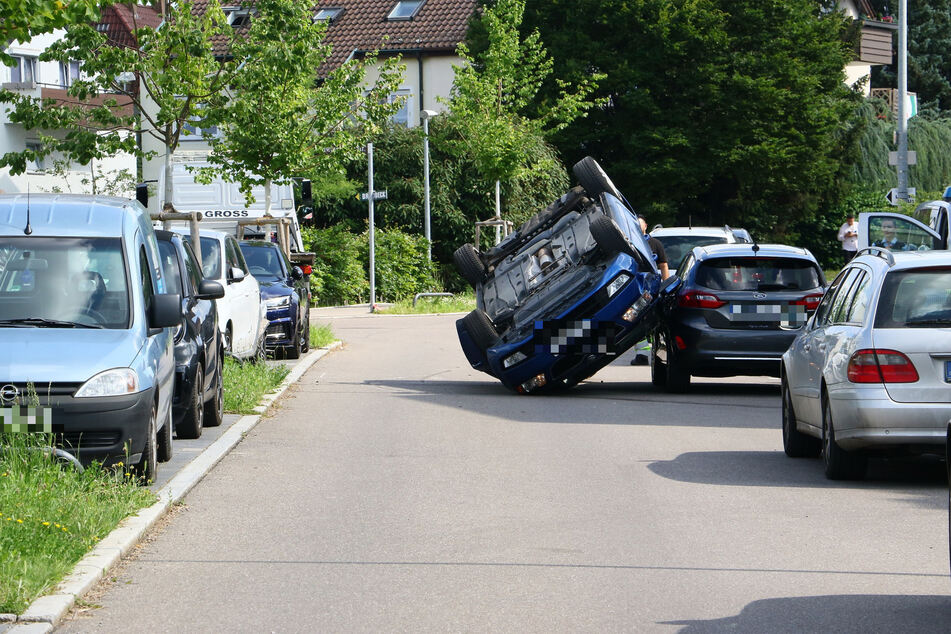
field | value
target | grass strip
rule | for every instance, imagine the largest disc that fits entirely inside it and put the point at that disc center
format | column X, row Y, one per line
column 461, row 303
column 246, row 383
column 321, row 335
column 51, row 515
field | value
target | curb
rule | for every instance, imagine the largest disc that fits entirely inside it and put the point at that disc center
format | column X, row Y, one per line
column 46, row 612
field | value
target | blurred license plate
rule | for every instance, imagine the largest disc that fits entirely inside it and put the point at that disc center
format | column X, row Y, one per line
column 575, row 336
column 26, row 420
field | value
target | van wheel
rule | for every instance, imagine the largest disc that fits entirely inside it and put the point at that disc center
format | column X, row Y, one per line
column 481, row 329
column 164, row 448
column 147, row 468
column 593, row 178
column 839, row 464
column 193, row 421
column 214, row 408
column 469, row 265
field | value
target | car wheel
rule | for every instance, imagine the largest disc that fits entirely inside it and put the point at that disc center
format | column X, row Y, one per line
column 593, row 178
column 147, row 468
column 228, row 339
column 658, row 367
column 293, row 351
column 678, row 379
column 214, row 408
column 795, row 443
column 260, row 353
column 481, row 329
column 193, row 421
column 305, row 342
column 165, row 440
column 469, row 265
column 839, row 464
column 609, row 236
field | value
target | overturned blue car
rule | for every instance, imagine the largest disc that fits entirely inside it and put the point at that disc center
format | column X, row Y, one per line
column 560, row 298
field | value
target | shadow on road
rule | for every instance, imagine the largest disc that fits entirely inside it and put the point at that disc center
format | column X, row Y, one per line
column 833, row 613
column 774, row 468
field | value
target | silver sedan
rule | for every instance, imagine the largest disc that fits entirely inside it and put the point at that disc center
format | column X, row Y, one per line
column 871, row 371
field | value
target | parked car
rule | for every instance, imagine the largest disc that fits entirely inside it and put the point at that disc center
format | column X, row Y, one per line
column 285, row 292
column 734, row 311
column 199, row 351
column 560, row 297
column 870, row 372
column 679, row 241
column 242, row 315
column 86, row 326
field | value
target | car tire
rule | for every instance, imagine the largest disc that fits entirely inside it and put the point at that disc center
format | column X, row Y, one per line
column 192, row 422
column 609, row 236
column 305, row 342
column 214, row 408
column 678, row 379
column 164, row 447
column 480, row 328
column 469, row 264
column 260, row 353
column 293, row 351
column 658, row 368
column 593, row 178
column 795, row 443
column 229, row 339
column 839, row 464
column 146, row 470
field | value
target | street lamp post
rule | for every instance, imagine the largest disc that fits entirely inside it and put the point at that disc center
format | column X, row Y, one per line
column 902, row 128
column 426, row 115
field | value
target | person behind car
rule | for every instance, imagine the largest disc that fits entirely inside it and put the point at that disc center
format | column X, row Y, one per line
column 889, row 240
column 849, row 237
column 643, row 348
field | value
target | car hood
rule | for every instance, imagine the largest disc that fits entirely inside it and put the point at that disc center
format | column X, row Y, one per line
column 67, row 355
column 272, row 288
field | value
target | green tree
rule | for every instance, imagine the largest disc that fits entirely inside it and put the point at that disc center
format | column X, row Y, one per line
column 282, row 118
column 20, row 20
column 722, row 110
column 492, row 93
column 173, row 75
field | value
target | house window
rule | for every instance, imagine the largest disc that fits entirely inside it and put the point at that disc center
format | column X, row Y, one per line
column 68, row 73
column 192, row 132
column 238, row 16
column 328, row 15
column 35, row 164
column 405, row 10
column 24, row 70
column 402, row 116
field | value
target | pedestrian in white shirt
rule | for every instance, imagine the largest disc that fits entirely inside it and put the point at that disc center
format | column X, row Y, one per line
column 849, row 237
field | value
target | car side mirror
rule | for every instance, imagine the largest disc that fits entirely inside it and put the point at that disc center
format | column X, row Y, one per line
column 669, row 285
column 235, row 275
column 165, row 311
column 210, row 289
column 297, row 273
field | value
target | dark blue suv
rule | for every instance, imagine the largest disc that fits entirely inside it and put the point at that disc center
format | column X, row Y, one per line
column 558, row 299
column 286, row 292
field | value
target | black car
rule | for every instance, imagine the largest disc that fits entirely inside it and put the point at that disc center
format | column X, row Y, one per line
column 199, row 349
column 286, row 293
column 734, row 311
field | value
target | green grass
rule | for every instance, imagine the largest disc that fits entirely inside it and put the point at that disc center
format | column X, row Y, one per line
column 461, row 303
column 321, row 336
column 246, row 383
column 51, row 516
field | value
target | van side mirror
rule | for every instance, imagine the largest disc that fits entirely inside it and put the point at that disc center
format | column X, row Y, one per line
column 165, row 311
column 210, row 289
column 235, row 275
column 142, row 194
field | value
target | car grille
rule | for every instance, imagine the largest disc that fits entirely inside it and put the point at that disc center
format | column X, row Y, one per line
column 276, row 331
column 43, row 391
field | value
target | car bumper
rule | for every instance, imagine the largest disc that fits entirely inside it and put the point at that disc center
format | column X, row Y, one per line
column 723, row 352
column 865, row 417
column 280, row 328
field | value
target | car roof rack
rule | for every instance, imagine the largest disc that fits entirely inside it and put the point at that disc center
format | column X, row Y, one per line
column 881, row 252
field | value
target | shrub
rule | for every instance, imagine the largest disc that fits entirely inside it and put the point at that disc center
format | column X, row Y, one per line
column 402, row 269
column 339, row 275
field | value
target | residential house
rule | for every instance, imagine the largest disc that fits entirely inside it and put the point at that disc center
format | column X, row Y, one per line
column 874, row 42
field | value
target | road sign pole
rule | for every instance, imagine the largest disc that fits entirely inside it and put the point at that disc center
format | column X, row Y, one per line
column 902, row 130
column 370, row 205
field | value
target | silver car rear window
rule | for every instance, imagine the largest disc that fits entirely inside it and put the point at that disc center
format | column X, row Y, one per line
column 676, row 247
column 915, row 298
column 758, row 274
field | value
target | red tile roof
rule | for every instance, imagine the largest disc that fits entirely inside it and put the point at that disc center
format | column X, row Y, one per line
column 119, row 21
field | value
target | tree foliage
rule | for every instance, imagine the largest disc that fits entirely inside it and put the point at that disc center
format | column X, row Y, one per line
column 722, row 110
column 20, row 20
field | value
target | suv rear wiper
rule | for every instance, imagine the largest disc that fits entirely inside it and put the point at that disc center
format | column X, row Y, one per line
column 40, row 322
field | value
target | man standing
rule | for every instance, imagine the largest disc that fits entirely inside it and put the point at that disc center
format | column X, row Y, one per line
column 643, row 348
column 849, row 237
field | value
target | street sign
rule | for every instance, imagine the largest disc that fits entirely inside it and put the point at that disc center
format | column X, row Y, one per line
column 892, row 196
column 376, row 195
column 912, row 158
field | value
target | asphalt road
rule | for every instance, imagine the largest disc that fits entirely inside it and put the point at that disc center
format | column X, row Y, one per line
column 395, row 489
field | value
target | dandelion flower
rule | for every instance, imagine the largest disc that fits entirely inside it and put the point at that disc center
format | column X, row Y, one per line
column 46, row 523
column 19, row 521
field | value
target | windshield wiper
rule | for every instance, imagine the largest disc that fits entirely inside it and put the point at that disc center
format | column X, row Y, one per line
column 39, row 322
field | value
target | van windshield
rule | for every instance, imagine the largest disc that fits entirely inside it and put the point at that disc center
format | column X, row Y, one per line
column 63, row 283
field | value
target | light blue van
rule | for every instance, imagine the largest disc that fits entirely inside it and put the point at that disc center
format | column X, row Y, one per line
column 86, row 328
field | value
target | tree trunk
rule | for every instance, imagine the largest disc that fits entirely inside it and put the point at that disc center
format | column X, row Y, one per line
column 267, row 196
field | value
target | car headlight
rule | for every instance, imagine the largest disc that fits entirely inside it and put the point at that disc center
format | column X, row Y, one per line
column 116, row 382
column 512, row 359
column 278, row 302
column 618, row 283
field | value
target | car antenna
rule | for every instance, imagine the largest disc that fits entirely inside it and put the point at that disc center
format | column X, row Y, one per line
column 755, row 248
column 28, row 229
